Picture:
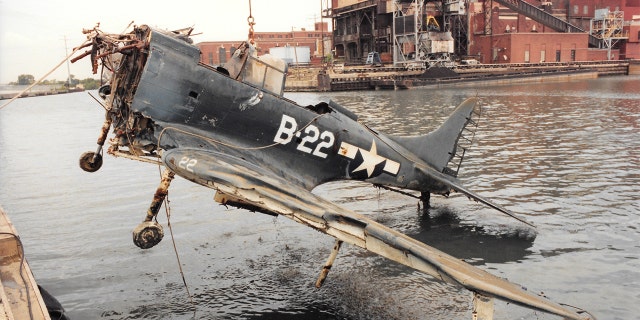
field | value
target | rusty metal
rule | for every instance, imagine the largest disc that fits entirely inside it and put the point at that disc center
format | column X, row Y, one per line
column 84, row 54
column 251, row 22
column 138, row 45
column 327, row 266
column 160, row 195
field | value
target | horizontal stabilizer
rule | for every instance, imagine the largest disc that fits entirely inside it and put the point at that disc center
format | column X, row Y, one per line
column 453, row 184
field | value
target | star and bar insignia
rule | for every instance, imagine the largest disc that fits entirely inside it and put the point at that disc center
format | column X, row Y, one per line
column 367, row 163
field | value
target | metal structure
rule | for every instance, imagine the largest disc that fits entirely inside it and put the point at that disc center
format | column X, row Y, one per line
column 416, row 38
column 456, row 21
column 607, row 26
column 539, row 15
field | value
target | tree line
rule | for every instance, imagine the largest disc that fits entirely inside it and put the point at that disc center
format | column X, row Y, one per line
column 88, row 83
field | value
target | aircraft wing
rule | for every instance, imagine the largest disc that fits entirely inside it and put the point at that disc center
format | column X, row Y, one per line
column 244, row 184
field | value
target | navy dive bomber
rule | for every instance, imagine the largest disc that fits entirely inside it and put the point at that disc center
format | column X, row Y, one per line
column 230, row 129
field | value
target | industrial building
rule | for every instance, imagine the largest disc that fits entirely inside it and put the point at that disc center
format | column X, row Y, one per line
column 308, row 43
column 423, row 33
column 413, row 32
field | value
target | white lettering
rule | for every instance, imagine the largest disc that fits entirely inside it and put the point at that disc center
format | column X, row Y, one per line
column 327, row 139
column 187, row 163
column 312, row 136
column 307, row 138
column 287, row 128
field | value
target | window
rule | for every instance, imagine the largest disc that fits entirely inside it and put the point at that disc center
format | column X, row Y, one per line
column 557, row 55
column 585, row 10
column 576, row 9
column 573, row 55
column 222, row 54
column 210, row 56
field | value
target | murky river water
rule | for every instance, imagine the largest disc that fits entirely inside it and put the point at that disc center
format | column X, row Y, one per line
column 566, row 155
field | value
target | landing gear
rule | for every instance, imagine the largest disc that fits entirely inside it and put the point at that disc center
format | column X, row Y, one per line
column 92, row 161
column 149, row 233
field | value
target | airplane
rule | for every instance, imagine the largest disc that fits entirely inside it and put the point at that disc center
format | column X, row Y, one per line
column 229, row 128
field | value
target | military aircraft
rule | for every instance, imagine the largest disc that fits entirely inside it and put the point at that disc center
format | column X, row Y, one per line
column 230, row 128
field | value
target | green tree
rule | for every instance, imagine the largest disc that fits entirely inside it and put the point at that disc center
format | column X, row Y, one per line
column 26, row 79
column 90, row 83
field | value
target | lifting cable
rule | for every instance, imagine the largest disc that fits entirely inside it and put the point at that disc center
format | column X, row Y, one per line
column 251, row 22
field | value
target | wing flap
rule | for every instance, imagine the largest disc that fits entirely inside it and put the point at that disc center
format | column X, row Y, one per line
column 243, row 181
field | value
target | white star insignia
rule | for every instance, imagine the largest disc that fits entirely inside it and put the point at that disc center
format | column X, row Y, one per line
column 370, row 159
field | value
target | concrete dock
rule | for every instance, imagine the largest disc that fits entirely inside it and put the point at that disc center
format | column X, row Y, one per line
column 342, row 78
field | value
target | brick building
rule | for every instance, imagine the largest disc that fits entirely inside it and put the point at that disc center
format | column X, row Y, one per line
column 492, row 31
column 218, row 52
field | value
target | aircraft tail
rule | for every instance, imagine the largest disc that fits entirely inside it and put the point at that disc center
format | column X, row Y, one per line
column 445, row 147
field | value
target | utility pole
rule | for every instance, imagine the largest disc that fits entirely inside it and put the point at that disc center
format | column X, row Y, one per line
column 68, row 65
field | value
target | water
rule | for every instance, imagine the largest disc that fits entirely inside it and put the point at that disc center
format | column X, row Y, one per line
column 565, row 155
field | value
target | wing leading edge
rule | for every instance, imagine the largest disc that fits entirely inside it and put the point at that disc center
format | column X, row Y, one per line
column 242, row 183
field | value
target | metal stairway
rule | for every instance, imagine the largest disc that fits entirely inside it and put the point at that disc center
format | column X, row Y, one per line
column 546, row 19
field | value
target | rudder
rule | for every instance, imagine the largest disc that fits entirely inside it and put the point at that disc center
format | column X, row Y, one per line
column 444, row 148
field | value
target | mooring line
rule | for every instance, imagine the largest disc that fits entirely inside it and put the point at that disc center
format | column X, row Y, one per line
column 45, row 76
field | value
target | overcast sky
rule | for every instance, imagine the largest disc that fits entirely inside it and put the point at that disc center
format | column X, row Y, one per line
column 32, row 32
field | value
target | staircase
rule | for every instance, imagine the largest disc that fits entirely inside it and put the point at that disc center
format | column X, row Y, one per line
column 546, row 19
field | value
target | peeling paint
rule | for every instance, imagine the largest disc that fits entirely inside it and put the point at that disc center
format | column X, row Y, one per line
column 255, row 99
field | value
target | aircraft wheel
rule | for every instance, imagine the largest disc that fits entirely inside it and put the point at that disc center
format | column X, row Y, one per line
column 147, row 234
column 90, row 161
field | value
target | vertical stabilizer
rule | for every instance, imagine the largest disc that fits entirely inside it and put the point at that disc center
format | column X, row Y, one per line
column 445, row 147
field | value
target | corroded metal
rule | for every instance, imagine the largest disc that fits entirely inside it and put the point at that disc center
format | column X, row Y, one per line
column 160, row 195
column 329, row 264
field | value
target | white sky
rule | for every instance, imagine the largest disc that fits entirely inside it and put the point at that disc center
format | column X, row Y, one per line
column 32, row 32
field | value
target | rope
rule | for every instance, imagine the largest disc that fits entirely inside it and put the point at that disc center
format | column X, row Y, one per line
column 45, row 76
column 233, row 146
column 175, row 248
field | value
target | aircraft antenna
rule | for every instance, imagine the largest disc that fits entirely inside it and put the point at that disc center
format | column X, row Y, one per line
column 251, row 24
